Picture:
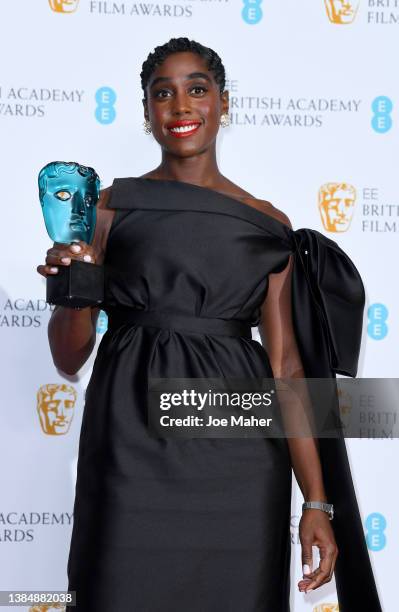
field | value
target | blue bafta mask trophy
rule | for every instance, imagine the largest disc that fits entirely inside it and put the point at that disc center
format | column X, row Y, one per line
column 68, row 194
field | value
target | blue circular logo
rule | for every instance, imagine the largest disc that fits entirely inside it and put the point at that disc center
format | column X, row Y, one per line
column 252, row 13
column 377, row 327
column 381, row 121
column 375, row 526
column 105, row 112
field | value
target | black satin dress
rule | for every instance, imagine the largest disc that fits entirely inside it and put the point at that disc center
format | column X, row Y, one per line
column 203, row 525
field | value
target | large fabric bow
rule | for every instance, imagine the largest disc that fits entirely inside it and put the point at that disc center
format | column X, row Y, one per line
column 328, row 300
column 327, row 288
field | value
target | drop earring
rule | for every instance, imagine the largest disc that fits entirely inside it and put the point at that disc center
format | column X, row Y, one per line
column 147, row 126
column 225, row 120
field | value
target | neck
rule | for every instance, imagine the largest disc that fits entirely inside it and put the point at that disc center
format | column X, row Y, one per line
column 200, row 169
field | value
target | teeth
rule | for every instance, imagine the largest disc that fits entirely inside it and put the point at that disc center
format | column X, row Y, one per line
column 184, row 128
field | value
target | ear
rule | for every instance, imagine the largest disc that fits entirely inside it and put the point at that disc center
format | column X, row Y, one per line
column 144, row 101
column 225, row 101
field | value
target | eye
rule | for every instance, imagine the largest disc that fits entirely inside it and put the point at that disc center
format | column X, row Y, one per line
column 63, row 195
column 204, row 89
column 160, row 91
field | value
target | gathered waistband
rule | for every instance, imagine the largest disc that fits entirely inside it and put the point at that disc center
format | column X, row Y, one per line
column 123, row 315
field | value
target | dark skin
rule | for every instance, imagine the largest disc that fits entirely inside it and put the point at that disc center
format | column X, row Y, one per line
column 174, row 92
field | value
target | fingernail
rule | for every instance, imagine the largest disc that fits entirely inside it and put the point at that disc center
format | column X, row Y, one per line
column 87, row 257
column 306, row 568
column 66, row 260
column 75, row 248
column 53, row 269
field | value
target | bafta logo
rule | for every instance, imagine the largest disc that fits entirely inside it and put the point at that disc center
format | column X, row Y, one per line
column 55, row 406
column 326, row 607
column 341, row 11
column 336, row 206
column 64, row 6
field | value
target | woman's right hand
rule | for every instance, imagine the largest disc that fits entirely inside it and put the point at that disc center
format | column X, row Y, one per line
column 61, row 254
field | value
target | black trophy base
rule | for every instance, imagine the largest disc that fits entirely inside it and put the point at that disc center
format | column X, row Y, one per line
column 78, row 285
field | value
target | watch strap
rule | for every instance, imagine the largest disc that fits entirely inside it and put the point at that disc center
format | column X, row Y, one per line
column 329, row 508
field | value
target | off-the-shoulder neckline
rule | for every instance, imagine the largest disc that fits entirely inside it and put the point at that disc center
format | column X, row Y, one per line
column 217, row 194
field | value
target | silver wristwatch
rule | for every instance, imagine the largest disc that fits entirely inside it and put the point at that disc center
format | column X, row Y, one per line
column 329, row 508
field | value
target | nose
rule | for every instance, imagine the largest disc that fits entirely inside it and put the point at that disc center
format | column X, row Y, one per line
column 78, row 204
column 181, row 103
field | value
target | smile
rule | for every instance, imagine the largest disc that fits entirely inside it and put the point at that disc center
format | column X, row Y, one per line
column 184, row 130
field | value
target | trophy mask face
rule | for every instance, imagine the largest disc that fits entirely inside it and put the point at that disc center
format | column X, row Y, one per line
column 336, row 205
column 64, row 6
column 68, row 194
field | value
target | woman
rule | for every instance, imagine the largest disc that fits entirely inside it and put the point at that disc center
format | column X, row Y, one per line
column 193, row 261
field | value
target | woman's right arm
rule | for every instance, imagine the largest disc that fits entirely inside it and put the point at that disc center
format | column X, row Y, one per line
column 72, row 336
column 72, row 333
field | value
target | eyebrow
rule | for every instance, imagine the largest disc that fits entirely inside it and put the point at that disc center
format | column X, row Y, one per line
column 192, row 75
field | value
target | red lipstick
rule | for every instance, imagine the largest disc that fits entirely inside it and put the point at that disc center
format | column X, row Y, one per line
column 183, row 128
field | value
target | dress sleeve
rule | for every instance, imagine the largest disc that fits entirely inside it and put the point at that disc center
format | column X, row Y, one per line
column 311, row 327
column 328, row 301
column 312, row 317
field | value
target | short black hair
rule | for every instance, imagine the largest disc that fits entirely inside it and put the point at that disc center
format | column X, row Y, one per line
column 174, row 45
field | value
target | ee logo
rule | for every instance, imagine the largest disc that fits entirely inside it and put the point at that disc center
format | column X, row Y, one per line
column 382, row 108
column 252, row 13
column 377, row 316
column 375, row 526
column 105, row 111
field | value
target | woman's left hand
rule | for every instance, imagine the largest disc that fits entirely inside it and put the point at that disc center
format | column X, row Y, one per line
column 315, row 530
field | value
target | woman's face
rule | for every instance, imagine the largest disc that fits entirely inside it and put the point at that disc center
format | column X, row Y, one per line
column 184, row 104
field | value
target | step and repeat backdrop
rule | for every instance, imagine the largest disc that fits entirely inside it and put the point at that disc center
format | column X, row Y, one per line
column 314, row 109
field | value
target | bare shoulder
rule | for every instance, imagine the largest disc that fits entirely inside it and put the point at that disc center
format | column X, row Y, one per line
column 268, row 209
column 263, row 205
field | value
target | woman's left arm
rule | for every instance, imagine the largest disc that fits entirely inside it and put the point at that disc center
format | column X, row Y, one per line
column 277, row 333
